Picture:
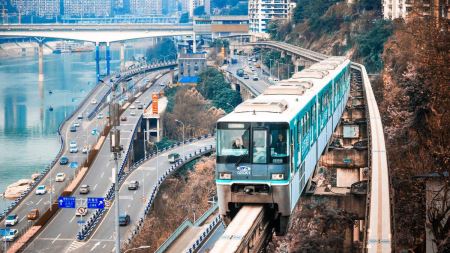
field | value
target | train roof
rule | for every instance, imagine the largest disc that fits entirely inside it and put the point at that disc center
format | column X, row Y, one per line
column 283, row 101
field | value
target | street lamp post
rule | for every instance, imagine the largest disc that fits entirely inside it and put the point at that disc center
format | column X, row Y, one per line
column 181, row 122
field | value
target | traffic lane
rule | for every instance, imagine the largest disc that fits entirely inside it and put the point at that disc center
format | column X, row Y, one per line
column 92, row 177
column 131, row 202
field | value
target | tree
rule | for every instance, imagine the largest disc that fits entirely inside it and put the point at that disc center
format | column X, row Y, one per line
column 163, row 50
column 200, row 10
column 184, row 18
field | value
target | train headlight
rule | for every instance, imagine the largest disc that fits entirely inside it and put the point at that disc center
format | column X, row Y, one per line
column 224, row 175
column 277, row 176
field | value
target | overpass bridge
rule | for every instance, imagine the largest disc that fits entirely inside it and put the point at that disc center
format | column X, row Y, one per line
column 100, row 34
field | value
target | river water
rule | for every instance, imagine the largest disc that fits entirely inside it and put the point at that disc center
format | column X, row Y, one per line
column 28, row 129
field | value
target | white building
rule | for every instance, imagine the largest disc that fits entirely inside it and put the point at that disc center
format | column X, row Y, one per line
column 393, row 9
column 261, row 12
column 40, row 8
column 87, row 8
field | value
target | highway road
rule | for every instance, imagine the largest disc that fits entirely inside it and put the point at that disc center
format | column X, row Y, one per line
column 82, row 136
column 260, row 85
column 134, row 202
column 62, row 229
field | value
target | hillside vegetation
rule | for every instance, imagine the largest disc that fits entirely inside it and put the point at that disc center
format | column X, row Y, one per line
column 413, row 93
column 334, row 27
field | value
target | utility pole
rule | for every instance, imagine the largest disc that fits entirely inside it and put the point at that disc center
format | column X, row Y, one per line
column 115, row 149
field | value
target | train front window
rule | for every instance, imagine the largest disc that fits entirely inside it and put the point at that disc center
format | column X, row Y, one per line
column 279, row 145
column 233, row 142
column 259, row 146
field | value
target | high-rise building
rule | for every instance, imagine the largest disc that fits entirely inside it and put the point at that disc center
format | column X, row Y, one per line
column 261, row 12
column 146, row 7
column 39, row 8
column 87, row 8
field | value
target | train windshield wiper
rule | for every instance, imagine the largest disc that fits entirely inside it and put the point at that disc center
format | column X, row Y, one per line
column 240, row 159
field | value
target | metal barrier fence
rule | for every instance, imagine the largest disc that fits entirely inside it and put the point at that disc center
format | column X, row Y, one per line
column 186, row 224
column 97, row 216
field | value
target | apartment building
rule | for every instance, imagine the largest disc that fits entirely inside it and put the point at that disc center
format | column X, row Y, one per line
column 40, row 8
column 261, row 12
column 87, row 8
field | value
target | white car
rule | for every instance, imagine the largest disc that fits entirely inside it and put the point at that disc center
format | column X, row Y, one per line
column 76, row 124
column 40, row 190
column 132, row 113
column 100, row 116
column 85, row 149
column 132, row 106
column 10, row 236
column 60, row 177
column 162, row 84
column 93, row 101
column 73, row 148
column 11, row 220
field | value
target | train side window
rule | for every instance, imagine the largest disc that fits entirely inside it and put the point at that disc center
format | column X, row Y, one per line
column 259, row 146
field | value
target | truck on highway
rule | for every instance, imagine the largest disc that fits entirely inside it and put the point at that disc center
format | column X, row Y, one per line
column 240, row 72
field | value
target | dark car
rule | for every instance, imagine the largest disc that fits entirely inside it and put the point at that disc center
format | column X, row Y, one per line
column 124, row 219
column 73, row 128
column 64, row 160
column 123, row 118
column 133, row 185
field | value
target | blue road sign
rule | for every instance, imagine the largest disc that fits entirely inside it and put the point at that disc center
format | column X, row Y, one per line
column 66, row 202
column 96, row 203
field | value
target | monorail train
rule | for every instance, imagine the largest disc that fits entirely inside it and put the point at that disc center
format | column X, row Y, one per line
column 268, row 147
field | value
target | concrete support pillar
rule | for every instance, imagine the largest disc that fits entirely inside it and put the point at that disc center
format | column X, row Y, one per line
column 41, row 61
column 108, row 59
column 147, row 122
column 194, row 44
column 122, row 56
column 97, row 60
column 295, row 62
column 158, row 133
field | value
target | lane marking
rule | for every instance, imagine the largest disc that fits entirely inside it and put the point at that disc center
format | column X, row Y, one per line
column 95, row 246
column 39, row 202
column 22, row 219
column 103, row 173
column 95, row 186
column 73, row 218
column 56, row 238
